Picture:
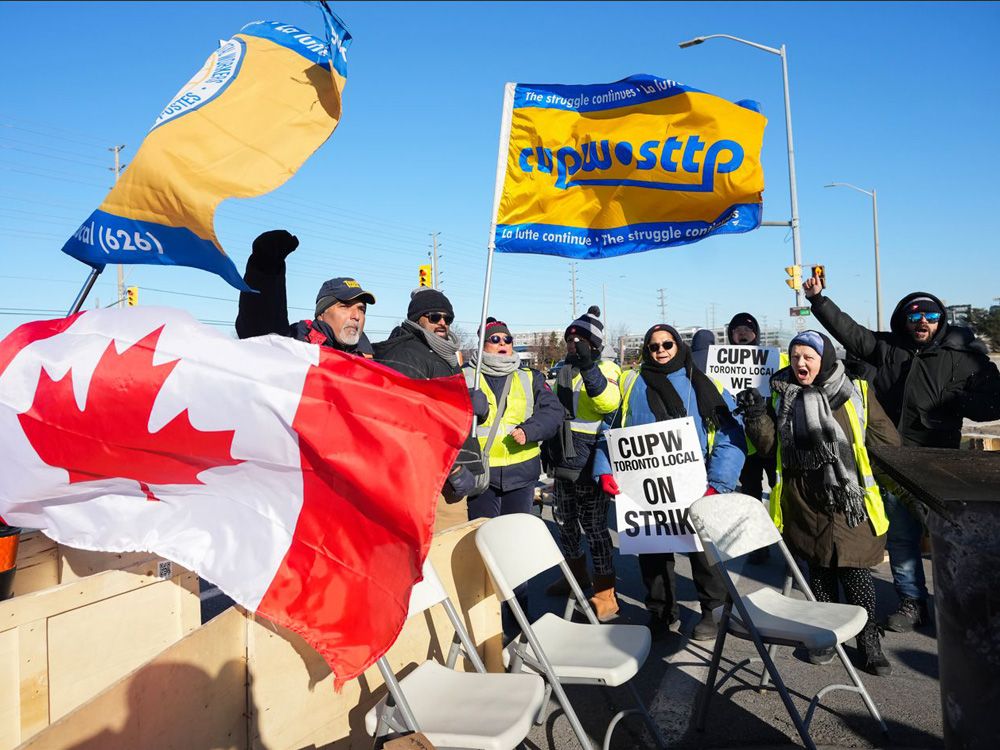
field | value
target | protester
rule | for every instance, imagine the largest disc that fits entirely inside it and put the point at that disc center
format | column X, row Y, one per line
column 826, row 502
column 341, row 303
column 530, row 414
column 667, row 385
column 423, row 346
column 929, row 375
column 587, row 388
column 744, row 330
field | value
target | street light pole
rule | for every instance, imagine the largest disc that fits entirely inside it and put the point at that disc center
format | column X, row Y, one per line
column 878, row 270
column 794, row 197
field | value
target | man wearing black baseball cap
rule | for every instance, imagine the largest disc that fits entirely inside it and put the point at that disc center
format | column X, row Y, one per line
column 341, row 303
column 929, row 375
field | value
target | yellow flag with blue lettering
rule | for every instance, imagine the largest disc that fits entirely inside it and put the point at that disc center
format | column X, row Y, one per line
column 261, row 104
column 595, row 171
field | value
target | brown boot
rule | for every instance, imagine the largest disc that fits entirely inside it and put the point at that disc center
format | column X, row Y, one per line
column 603, row 601
column 579, row 567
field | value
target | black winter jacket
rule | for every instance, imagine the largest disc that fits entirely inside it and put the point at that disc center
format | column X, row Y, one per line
column 927, row 390
column 266, row 312
column 406, row 352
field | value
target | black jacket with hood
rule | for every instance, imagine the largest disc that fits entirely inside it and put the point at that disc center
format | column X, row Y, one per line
column 408, row 353
column 925, row 389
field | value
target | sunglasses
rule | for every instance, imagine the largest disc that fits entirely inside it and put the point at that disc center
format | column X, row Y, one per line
column 438, row 317
column 654, row 348
column 915, row 317
column 497, row 338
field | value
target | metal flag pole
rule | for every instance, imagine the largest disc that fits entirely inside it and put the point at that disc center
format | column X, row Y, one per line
column 84, row 291
column 504, row 144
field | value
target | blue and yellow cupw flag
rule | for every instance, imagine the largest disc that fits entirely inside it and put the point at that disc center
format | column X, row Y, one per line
column 600, row 170
column 264, row 101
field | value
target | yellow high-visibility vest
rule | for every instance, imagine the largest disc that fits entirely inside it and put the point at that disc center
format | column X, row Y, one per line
column 520, row 406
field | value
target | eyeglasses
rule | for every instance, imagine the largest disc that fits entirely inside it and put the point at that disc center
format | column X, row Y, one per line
column 497, row 338
column 438, row 317
column 654, row 347
column 930, row 317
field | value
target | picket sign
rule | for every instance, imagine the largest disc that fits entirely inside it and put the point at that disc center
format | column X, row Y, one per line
column 660, row 470
column 739, row 367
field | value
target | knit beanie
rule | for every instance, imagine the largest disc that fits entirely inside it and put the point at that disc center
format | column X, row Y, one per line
column 425, row 300
column 924, row 305
column 496, row 326
column 588, row 326
column 743, row 319
column 823, row 346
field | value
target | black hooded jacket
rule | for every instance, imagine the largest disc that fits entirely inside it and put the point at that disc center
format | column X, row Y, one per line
column 926, row 390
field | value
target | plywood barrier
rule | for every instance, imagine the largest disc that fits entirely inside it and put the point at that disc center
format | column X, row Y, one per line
column 289, row 701
column 61, row 645
column 193, row 695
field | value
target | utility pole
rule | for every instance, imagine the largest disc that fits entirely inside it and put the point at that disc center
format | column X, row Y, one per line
column 604, row 306
column 117, row 169
column 572, row 276
column 434, row 259
column 713, row 304
column 663, row 307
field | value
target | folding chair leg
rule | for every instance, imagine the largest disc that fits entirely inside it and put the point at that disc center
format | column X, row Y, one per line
column 772, row 651
column 713, row 670
column 653, row 729
column 856, row 679
column 782, row 691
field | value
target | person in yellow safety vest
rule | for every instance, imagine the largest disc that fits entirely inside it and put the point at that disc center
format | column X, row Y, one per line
column 528, row 414
column 744, row 330
column 667, row 385
column 587, row 388
column 826, row 502
column 531, row 413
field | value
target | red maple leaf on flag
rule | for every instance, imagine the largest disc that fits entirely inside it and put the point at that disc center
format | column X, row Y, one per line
column 110, row 436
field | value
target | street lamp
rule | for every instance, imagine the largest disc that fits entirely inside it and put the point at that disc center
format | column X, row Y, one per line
column 780, row 52
column 878, row 281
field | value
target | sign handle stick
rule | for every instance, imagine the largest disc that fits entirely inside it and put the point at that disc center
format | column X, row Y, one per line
column 504, row 144
column 84, row 291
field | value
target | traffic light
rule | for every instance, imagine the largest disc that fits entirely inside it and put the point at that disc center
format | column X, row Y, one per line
column 796, row 273
column 425, row 276
column 819, row 273
column 132, row 296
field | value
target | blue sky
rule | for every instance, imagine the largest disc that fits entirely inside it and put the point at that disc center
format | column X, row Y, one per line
column 903, row 97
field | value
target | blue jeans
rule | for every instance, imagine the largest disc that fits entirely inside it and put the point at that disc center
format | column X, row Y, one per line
column 903, row 544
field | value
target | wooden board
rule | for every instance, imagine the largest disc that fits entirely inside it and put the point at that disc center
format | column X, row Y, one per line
column 192, row 695
column 61, row 645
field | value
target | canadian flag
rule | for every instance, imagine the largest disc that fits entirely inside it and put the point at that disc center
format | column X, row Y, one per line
column 301, row 481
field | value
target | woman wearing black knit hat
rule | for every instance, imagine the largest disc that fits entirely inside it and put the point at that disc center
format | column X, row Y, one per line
column 826, row 502
column 587, row 387
column 666, row 386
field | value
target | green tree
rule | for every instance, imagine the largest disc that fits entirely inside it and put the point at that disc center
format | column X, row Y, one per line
column 986, row 324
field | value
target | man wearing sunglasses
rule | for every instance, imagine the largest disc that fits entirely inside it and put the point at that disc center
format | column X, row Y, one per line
column 423, row 346
column 341, row 303
column 929, row 375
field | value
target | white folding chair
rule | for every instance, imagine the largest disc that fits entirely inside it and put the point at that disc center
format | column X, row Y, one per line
column 456, row 709
column 516, row 548
column 731, row 526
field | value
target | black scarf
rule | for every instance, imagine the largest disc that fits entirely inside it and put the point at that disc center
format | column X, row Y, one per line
column 661, row 395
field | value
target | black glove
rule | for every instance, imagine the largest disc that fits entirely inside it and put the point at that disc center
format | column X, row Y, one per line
column 585, row 354
column 480, row 404
column 271, row 248
column 750, row 403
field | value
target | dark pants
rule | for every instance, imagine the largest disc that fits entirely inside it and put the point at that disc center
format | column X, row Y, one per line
column 495, row 502
column 661, row 585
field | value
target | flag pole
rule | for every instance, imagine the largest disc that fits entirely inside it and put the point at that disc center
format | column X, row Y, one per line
column 84, row 291
column 502, row 147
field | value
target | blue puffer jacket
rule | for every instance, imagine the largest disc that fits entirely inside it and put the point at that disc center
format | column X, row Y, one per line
column 728, row 453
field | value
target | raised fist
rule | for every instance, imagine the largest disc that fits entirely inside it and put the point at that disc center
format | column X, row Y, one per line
column 274, row 246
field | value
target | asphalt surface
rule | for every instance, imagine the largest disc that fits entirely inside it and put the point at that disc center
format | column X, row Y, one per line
column 671, row 680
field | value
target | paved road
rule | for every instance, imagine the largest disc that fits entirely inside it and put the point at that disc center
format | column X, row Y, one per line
column 740, row 716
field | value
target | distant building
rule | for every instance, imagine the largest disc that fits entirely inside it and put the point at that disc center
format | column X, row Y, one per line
column 958, row 315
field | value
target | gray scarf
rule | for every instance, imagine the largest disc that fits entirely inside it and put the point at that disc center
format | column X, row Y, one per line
column 813, row 441
column 447, row 348
column 496, row 365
